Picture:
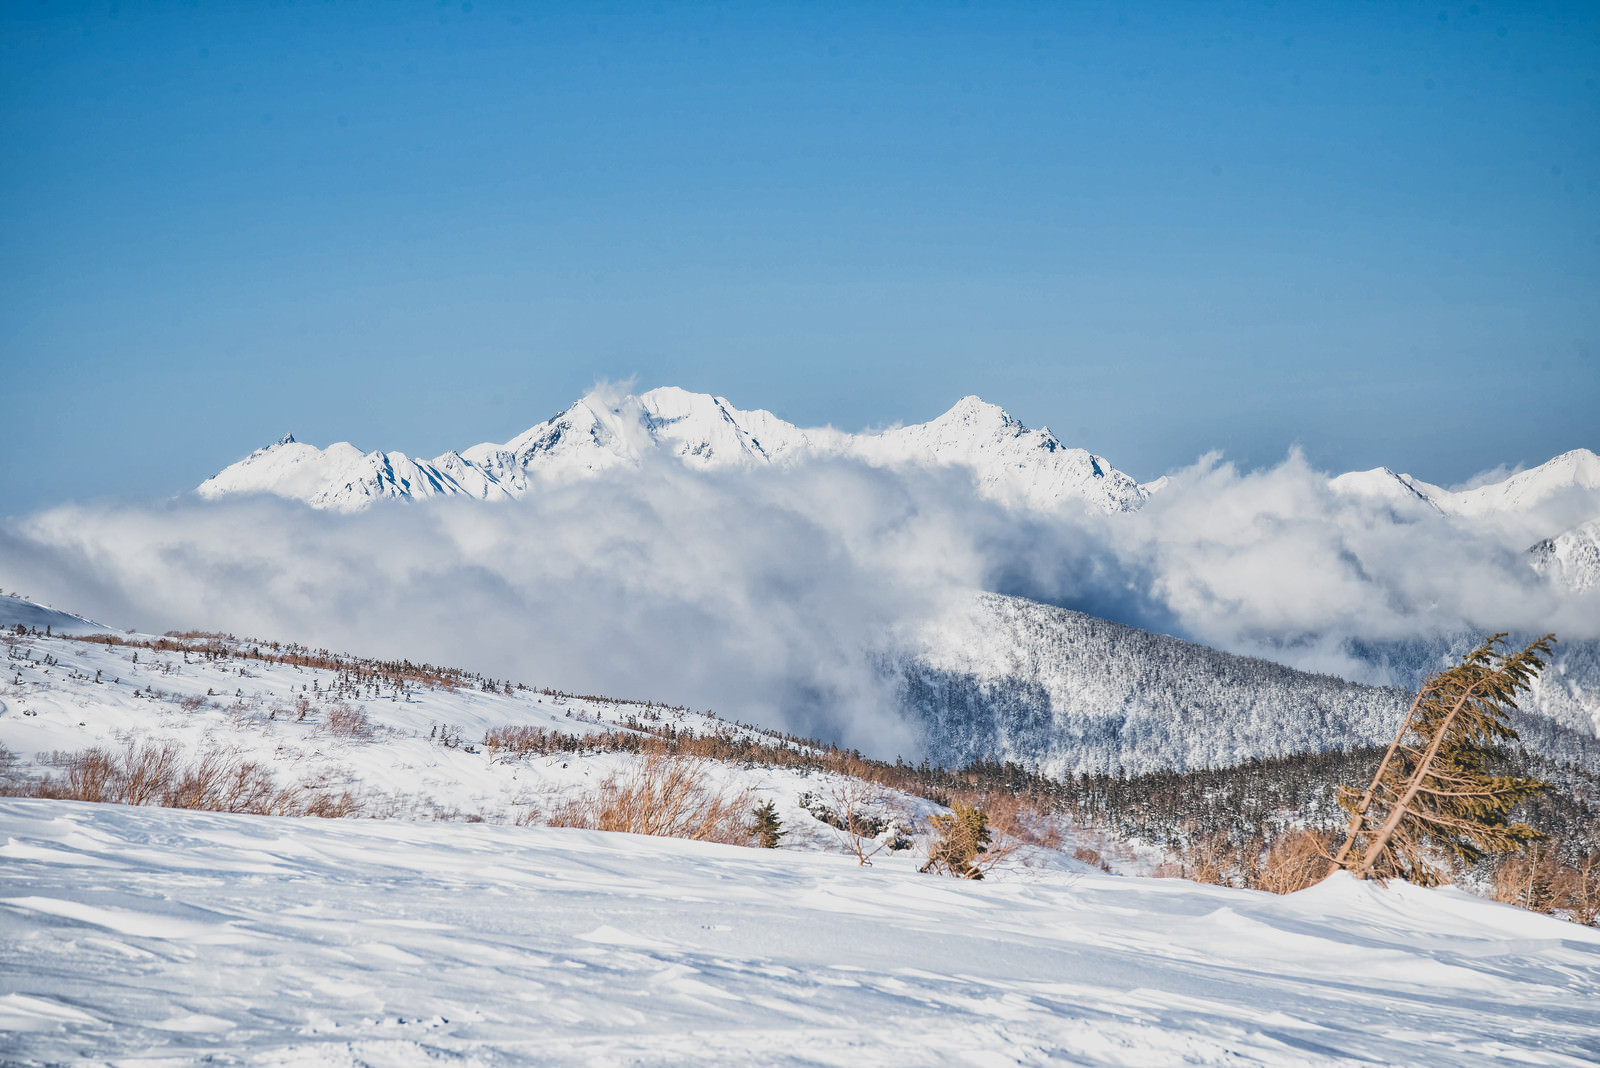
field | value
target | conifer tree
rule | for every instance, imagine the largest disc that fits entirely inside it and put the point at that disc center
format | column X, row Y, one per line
column 769, row 828
column 963, row 834
column 1433, row 791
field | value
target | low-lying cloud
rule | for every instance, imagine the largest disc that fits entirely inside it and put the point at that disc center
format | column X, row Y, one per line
column 763, row 594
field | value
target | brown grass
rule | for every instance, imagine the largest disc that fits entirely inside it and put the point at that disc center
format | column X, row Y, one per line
column 158, row 773
column 665, row 795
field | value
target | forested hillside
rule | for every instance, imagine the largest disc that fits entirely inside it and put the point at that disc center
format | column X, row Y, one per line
column 1067, row 693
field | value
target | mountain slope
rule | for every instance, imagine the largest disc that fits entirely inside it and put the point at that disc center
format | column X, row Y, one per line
column 1066, row 693
column 1571, row 558
column 1009, row 461
column 1007, row 679
column 18, row 611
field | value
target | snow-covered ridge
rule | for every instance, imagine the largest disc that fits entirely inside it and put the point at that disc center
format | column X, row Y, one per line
column 16, row 611
column 1575, row 472
column 1008, row 460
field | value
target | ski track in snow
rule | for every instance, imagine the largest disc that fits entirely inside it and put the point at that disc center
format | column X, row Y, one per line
column 149, row 936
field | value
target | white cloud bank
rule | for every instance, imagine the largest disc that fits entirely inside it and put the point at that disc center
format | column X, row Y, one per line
column 759, row 593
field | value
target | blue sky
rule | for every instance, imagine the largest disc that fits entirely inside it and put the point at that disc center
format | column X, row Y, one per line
column 1369, row 229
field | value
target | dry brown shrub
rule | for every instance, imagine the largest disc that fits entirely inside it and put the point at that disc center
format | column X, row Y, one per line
column 146, row 772
column 221, row 782
column 1210, row 858
column 859, row 807
column 1527, row 878
column 192, row 703
column 520, row 740
column 343, row 721
column 664, row 795
column 1091, row 857
column 1579, row 888
column 1016, row 818
column 195, row 785
column 330, row 805
column 216, row 780
column 91, row 775
column 1296, row 860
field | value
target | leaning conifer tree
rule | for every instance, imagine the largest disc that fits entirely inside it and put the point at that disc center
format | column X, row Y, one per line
column 1433, row 792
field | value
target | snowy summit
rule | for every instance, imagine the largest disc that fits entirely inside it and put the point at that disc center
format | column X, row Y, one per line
column 1008, row 460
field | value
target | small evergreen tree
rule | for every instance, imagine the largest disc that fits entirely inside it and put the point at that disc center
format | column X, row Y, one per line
column 963, row 835
column 1433, row 791
column 769, row 828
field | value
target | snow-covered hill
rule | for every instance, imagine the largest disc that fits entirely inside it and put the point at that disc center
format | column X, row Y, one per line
column 18, row 611
column 1007, row 460
column 410, row 749
column 173, row 937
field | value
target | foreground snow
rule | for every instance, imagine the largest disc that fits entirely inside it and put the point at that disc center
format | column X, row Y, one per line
column 159, row 936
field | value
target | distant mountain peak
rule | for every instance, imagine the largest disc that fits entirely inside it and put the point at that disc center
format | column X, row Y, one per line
column 605, row 430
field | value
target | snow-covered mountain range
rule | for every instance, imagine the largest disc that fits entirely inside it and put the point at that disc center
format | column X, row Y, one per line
column 1008, row 460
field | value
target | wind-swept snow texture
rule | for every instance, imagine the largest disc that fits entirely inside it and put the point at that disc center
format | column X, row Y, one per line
column 157, row 936
column 1007, row 460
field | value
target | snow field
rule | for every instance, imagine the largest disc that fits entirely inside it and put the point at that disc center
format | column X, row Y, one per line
column 157, row 936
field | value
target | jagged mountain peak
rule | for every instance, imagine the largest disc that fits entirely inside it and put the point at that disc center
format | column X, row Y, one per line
column 974, row 409
column 607, row 429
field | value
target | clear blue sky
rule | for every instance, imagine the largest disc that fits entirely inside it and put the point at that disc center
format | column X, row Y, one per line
column 1372, row 229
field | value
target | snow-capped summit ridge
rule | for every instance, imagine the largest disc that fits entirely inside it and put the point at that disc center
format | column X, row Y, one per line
column 605, row 430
